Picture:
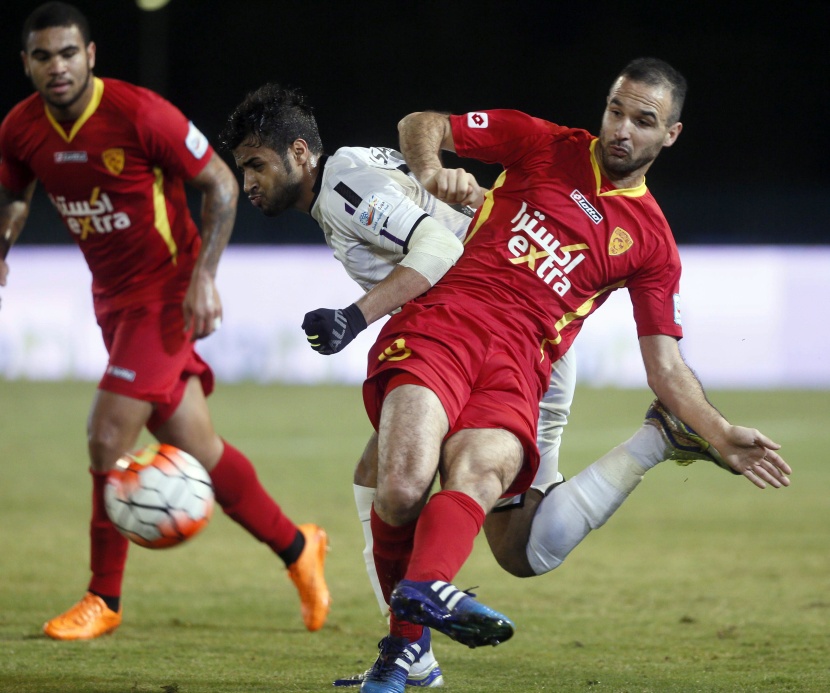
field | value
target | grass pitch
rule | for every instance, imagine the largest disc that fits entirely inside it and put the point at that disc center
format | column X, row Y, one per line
column 699, row 583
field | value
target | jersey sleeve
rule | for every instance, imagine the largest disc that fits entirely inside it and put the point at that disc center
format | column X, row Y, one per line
column 376, row 209
column 172, row 141
column 655, row 293
column 14, row 174
column 500, row 136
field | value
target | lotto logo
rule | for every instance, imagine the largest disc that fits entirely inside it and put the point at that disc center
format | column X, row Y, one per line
column 477, row 120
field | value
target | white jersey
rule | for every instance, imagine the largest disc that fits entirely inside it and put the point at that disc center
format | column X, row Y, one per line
column 368, row 205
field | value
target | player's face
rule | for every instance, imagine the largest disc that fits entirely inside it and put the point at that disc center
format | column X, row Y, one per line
column 634, row 130
column 60, row 67
column 270, row 184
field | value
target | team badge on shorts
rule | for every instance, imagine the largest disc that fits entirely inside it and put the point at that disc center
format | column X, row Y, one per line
column 114, row 160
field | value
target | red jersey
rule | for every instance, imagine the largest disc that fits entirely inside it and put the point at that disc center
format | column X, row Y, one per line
column 554, row 238
column 116, row 176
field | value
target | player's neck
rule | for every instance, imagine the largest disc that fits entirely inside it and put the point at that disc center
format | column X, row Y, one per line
column 310, row 172
column 75, row 110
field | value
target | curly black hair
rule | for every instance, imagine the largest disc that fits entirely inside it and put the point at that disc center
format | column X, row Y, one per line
column 272, row 116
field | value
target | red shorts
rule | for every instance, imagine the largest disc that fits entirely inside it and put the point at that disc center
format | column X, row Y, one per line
column 483, row 379
column 151, row 357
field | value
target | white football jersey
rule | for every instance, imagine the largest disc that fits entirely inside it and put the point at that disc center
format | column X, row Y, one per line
column 368, row 205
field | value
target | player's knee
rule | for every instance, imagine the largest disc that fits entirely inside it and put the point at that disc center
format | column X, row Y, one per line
column 513, row 560
column 399, row 505
column 106, row 445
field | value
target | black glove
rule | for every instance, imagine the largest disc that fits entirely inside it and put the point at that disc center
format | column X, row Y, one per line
column 329, row 331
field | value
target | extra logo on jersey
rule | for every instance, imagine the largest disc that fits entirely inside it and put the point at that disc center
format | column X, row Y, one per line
column 539, row 249
column 114, row 160
column 373, row 212
column 676, row 300
column 477, row 120
column 619, row 242
column 95, row 215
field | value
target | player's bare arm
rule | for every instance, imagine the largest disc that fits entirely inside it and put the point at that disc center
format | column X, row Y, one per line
column 14, row 209
column 401, row 285
column 422, row 137
column 748, row 451
column 202, row 304
column 433, row 249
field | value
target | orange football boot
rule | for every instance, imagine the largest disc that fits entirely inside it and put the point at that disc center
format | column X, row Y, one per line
column 89, row 618
column 307, row 575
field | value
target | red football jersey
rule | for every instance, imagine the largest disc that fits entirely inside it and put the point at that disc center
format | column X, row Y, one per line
column 116, row 176
column 554, row 238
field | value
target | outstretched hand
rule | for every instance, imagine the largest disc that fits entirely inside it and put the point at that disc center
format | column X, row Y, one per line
column 329, row 331
column 752, row 454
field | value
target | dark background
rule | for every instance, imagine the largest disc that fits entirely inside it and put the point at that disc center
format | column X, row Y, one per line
column 749, row 167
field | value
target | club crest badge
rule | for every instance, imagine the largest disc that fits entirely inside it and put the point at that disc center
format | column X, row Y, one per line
column 114, row 160
column 620, row 242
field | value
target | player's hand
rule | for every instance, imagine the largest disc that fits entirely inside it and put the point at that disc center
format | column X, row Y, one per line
column 202, row 306
column 750, row 453
column 455, row 186
column 329, row 331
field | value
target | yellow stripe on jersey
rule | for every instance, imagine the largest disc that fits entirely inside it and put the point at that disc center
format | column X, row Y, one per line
column 580, row 312
column 639, row 191
column 94, row 102
column 162, row 221
column 486, row 207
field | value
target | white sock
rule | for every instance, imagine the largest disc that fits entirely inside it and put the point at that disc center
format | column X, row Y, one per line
column 647, row 446
column 364, row 496
column 586, row 501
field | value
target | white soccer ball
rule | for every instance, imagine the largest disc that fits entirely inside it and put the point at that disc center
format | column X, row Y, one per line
column 159, row 496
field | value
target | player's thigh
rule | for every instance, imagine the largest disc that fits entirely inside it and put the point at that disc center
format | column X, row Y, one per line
column 482, row 462
column 508, row 532
column 114, row 424
column 191, row 428
column 366, row 471
column 413, row 424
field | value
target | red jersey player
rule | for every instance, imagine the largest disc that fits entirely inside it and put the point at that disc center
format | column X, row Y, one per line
column 455, row 378
column 113, row 159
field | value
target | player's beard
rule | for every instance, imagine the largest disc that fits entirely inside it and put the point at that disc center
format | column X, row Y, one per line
column 624, row 167
column 287, row 198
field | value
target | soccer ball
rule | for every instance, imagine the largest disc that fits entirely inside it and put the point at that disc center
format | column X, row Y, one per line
column 158, row 496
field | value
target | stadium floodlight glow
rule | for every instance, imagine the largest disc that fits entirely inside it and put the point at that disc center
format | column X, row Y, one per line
column 151, row 5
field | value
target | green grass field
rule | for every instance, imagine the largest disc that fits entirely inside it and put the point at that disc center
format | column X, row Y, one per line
column 701, row 582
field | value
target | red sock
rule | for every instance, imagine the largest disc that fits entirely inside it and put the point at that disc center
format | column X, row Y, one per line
column 447, row 527
column 108, row 548
column 392, row 547
column 243, row 498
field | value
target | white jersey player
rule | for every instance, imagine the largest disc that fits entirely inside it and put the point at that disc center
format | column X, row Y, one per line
column 376, row 216
column 396, row 240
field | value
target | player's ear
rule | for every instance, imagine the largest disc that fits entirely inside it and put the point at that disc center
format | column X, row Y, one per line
column 299, row 150
column 672, row 134
column 25, row 59
column 90, row 53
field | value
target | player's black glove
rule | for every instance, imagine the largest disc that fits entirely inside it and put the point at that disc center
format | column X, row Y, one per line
column 329, row 331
